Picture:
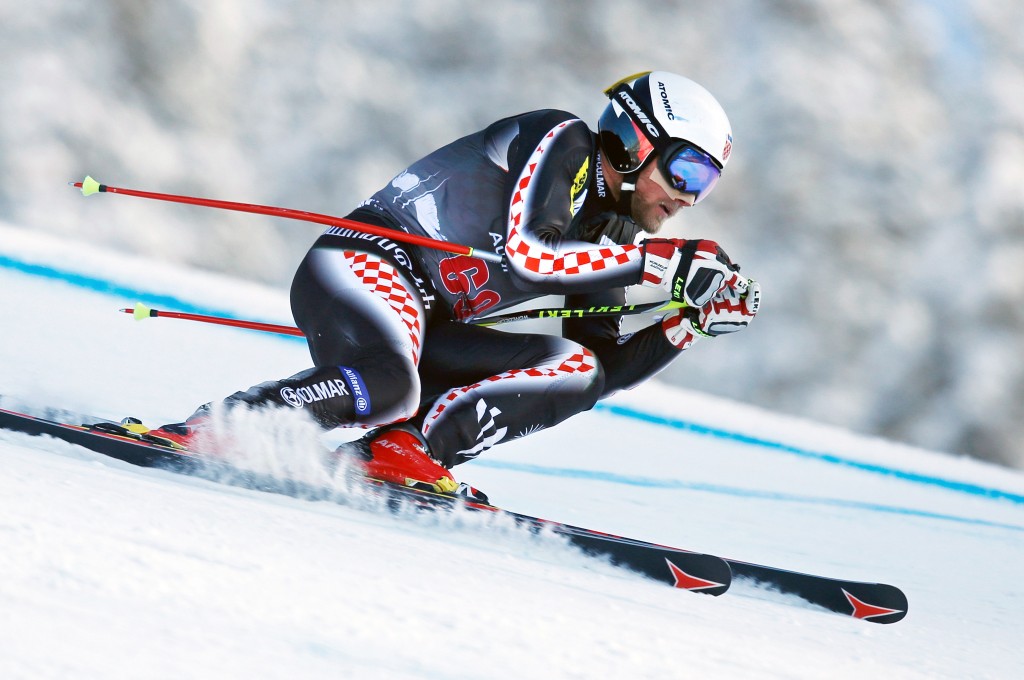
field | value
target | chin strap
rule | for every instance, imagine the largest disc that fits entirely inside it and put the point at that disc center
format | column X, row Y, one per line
column 626, row 189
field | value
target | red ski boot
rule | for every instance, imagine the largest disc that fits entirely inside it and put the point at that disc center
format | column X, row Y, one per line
column 189, row 435
column 398, row 454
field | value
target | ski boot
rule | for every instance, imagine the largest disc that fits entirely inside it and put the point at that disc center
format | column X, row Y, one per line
column 177, row 436
column 132, row 428
column 398, row 454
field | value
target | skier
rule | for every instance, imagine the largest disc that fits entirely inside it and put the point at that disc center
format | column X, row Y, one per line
column 571, row 213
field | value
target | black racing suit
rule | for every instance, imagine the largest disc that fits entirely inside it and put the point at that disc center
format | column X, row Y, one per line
column 387, row 322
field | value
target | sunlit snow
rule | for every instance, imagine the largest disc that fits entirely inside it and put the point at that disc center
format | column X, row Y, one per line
column 112, row 571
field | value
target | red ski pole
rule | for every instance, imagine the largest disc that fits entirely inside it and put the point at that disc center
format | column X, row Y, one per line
column 141, row 311
column 90, row 186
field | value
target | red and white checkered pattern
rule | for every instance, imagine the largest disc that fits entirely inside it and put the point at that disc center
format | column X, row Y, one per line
column 382, row 279
column 536, row 261
column 582, row 361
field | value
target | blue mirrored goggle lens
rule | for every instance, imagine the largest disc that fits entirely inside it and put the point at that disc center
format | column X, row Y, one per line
column 693, row 172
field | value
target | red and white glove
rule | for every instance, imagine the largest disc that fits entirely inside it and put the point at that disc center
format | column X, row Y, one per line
column 729, row 311
column 693, row 271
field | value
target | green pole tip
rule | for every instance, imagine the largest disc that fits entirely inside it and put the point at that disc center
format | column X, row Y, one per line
column 89, row 186
column 141, row 311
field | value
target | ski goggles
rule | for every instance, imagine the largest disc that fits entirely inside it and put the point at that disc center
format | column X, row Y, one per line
column 690, row 170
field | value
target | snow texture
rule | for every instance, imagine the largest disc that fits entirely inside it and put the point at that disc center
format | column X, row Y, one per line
column 111, row 571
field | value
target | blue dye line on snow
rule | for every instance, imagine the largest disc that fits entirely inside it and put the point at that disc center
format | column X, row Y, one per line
column 103, row 286
column 99, row 285
column 696, row 428
column 653, row 483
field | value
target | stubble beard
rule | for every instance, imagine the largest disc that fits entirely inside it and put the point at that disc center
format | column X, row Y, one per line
column 647, row 223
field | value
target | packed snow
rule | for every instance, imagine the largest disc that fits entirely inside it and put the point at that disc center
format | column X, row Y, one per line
column 113, row 571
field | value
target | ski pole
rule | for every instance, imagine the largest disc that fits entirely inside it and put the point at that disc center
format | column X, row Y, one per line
column 578, row 313
column 141, row 311
column 89, row 186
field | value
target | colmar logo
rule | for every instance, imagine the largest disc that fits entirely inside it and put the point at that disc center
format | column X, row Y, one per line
column 298, row 398
column 599, row 180
column 727, row 150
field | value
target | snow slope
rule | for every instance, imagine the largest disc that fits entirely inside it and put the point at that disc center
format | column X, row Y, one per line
column 117, row 572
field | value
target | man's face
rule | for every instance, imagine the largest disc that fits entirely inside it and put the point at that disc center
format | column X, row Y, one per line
column 655, row 200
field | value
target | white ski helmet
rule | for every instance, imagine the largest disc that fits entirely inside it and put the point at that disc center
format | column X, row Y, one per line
column 662, row 112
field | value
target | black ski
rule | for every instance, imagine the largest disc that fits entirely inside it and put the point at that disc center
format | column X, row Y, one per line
column 679, row 568
column 874, row 602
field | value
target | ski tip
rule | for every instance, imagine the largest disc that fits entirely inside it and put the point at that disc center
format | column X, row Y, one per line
column 140, row 311
column 89, row 186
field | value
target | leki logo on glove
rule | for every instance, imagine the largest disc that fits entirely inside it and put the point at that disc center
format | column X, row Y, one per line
column 753, row 298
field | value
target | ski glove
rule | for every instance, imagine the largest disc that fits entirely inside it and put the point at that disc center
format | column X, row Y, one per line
column 731, row 310
column 693, row 271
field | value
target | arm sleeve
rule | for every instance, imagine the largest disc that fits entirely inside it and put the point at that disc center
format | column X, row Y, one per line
column 628, row 360
column 545, row 198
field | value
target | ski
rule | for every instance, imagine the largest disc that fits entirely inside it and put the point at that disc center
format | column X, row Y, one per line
column 676, row 567
column 874, row 602
column 683, row 569
column 698, row 572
